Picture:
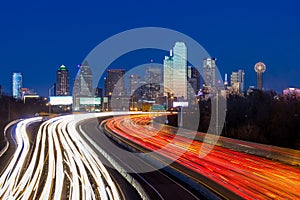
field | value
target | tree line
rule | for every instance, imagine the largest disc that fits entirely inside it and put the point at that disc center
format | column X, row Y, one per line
column 260, row 117
column 12, row 109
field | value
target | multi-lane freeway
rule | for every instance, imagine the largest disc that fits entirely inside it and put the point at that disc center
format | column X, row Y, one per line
column 58, row 166
column 74, row 157
column 154, row 182
column 248, row 176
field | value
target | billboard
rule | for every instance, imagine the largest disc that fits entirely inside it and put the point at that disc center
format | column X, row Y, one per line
column 61, row 100
column 105, row 99
column 181, row 104
column 89, row 100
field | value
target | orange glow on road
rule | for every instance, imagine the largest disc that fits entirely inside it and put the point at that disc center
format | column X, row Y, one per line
column 249, row 176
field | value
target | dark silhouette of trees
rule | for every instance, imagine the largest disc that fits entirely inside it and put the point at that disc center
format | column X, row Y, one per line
column 12, row 109
column 259, row 117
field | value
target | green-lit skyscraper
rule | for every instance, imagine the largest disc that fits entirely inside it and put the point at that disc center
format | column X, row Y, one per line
column 62, row 81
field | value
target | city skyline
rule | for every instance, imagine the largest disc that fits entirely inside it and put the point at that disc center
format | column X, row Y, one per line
column 245, row 86
column 38, row 37
column 149, row 99
column 84, row 79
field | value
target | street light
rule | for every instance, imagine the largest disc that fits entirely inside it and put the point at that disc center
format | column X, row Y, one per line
column 49, row 94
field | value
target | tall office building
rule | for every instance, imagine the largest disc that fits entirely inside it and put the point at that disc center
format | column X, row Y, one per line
column 194, row 78
column 175, row 71
column 260, row 68
column 114, row 83
column 168, row 75
column 237, row 81
column 153, row 82
column 62, row 81
column 134, row 83
column 85, row 80
column 98, row 92
column 209, row 71
column 154, row 75
column 82, row 86
column 16, row 85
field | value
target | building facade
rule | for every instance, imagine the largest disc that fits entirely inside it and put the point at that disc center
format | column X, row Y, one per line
column 134, row 83
column 82, row 85
column 194, row 78
column 154, row 75
column 291, row 93
column 237, row 81
column 86, row 80
column 62, row 81
column 16, row 85
column 175, row 71
column 209, row 72
column 114, row 83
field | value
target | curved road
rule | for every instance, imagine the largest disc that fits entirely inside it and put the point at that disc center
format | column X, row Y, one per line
column 248, row 176
column 156, row 183
column 60, row 165
column 68, row 160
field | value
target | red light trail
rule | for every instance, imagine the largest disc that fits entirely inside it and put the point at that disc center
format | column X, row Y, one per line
column 249, row 176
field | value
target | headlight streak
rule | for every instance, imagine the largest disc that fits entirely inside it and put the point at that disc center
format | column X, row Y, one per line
column 59, row 155
column 11, row 175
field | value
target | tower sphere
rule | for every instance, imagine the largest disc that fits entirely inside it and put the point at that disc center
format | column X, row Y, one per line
column 260, row 67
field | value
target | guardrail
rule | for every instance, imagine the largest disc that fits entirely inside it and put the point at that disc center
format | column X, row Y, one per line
column 118, row 167
column 160, row 165
column 5, row 137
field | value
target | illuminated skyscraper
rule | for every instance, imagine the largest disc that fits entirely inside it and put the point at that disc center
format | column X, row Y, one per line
column 82, row 85
column 225, row 81
column 153, row 82
column 85, row 78
column 260, row 68
column 168, row 75
column 209, row 72
column 16, row 85
column 62, row 81
column 175, row 71
column 237, row 81
column 194, row 78
column 134, row 83
column 154, row 75
column 114, row 82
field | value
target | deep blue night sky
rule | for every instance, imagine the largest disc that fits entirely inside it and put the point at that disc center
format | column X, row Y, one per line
column 38, row 36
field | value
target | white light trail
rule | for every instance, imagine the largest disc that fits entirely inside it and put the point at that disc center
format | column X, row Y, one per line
column 60, row 162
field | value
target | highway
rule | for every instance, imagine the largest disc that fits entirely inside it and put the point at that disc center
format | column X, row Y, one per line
column 155, row 182
column 248, row 176
column 73, row 157
column 58, row 165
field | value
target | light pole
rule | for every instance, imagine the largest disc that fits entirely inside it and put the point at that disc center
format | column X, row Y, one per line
column 49, row 94
column 8, row 108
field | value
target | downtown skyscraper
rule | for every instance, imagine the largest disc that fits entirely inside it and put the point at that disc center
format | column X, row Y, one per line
column 83, row 82
column 193, row 78
column 114, row 83
column 82, row 85
column 209, row 72
column 237, row 82
column 134, row 83
column 62, row 81
column 153, row 75
column 175, row 71
column 16, row 85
